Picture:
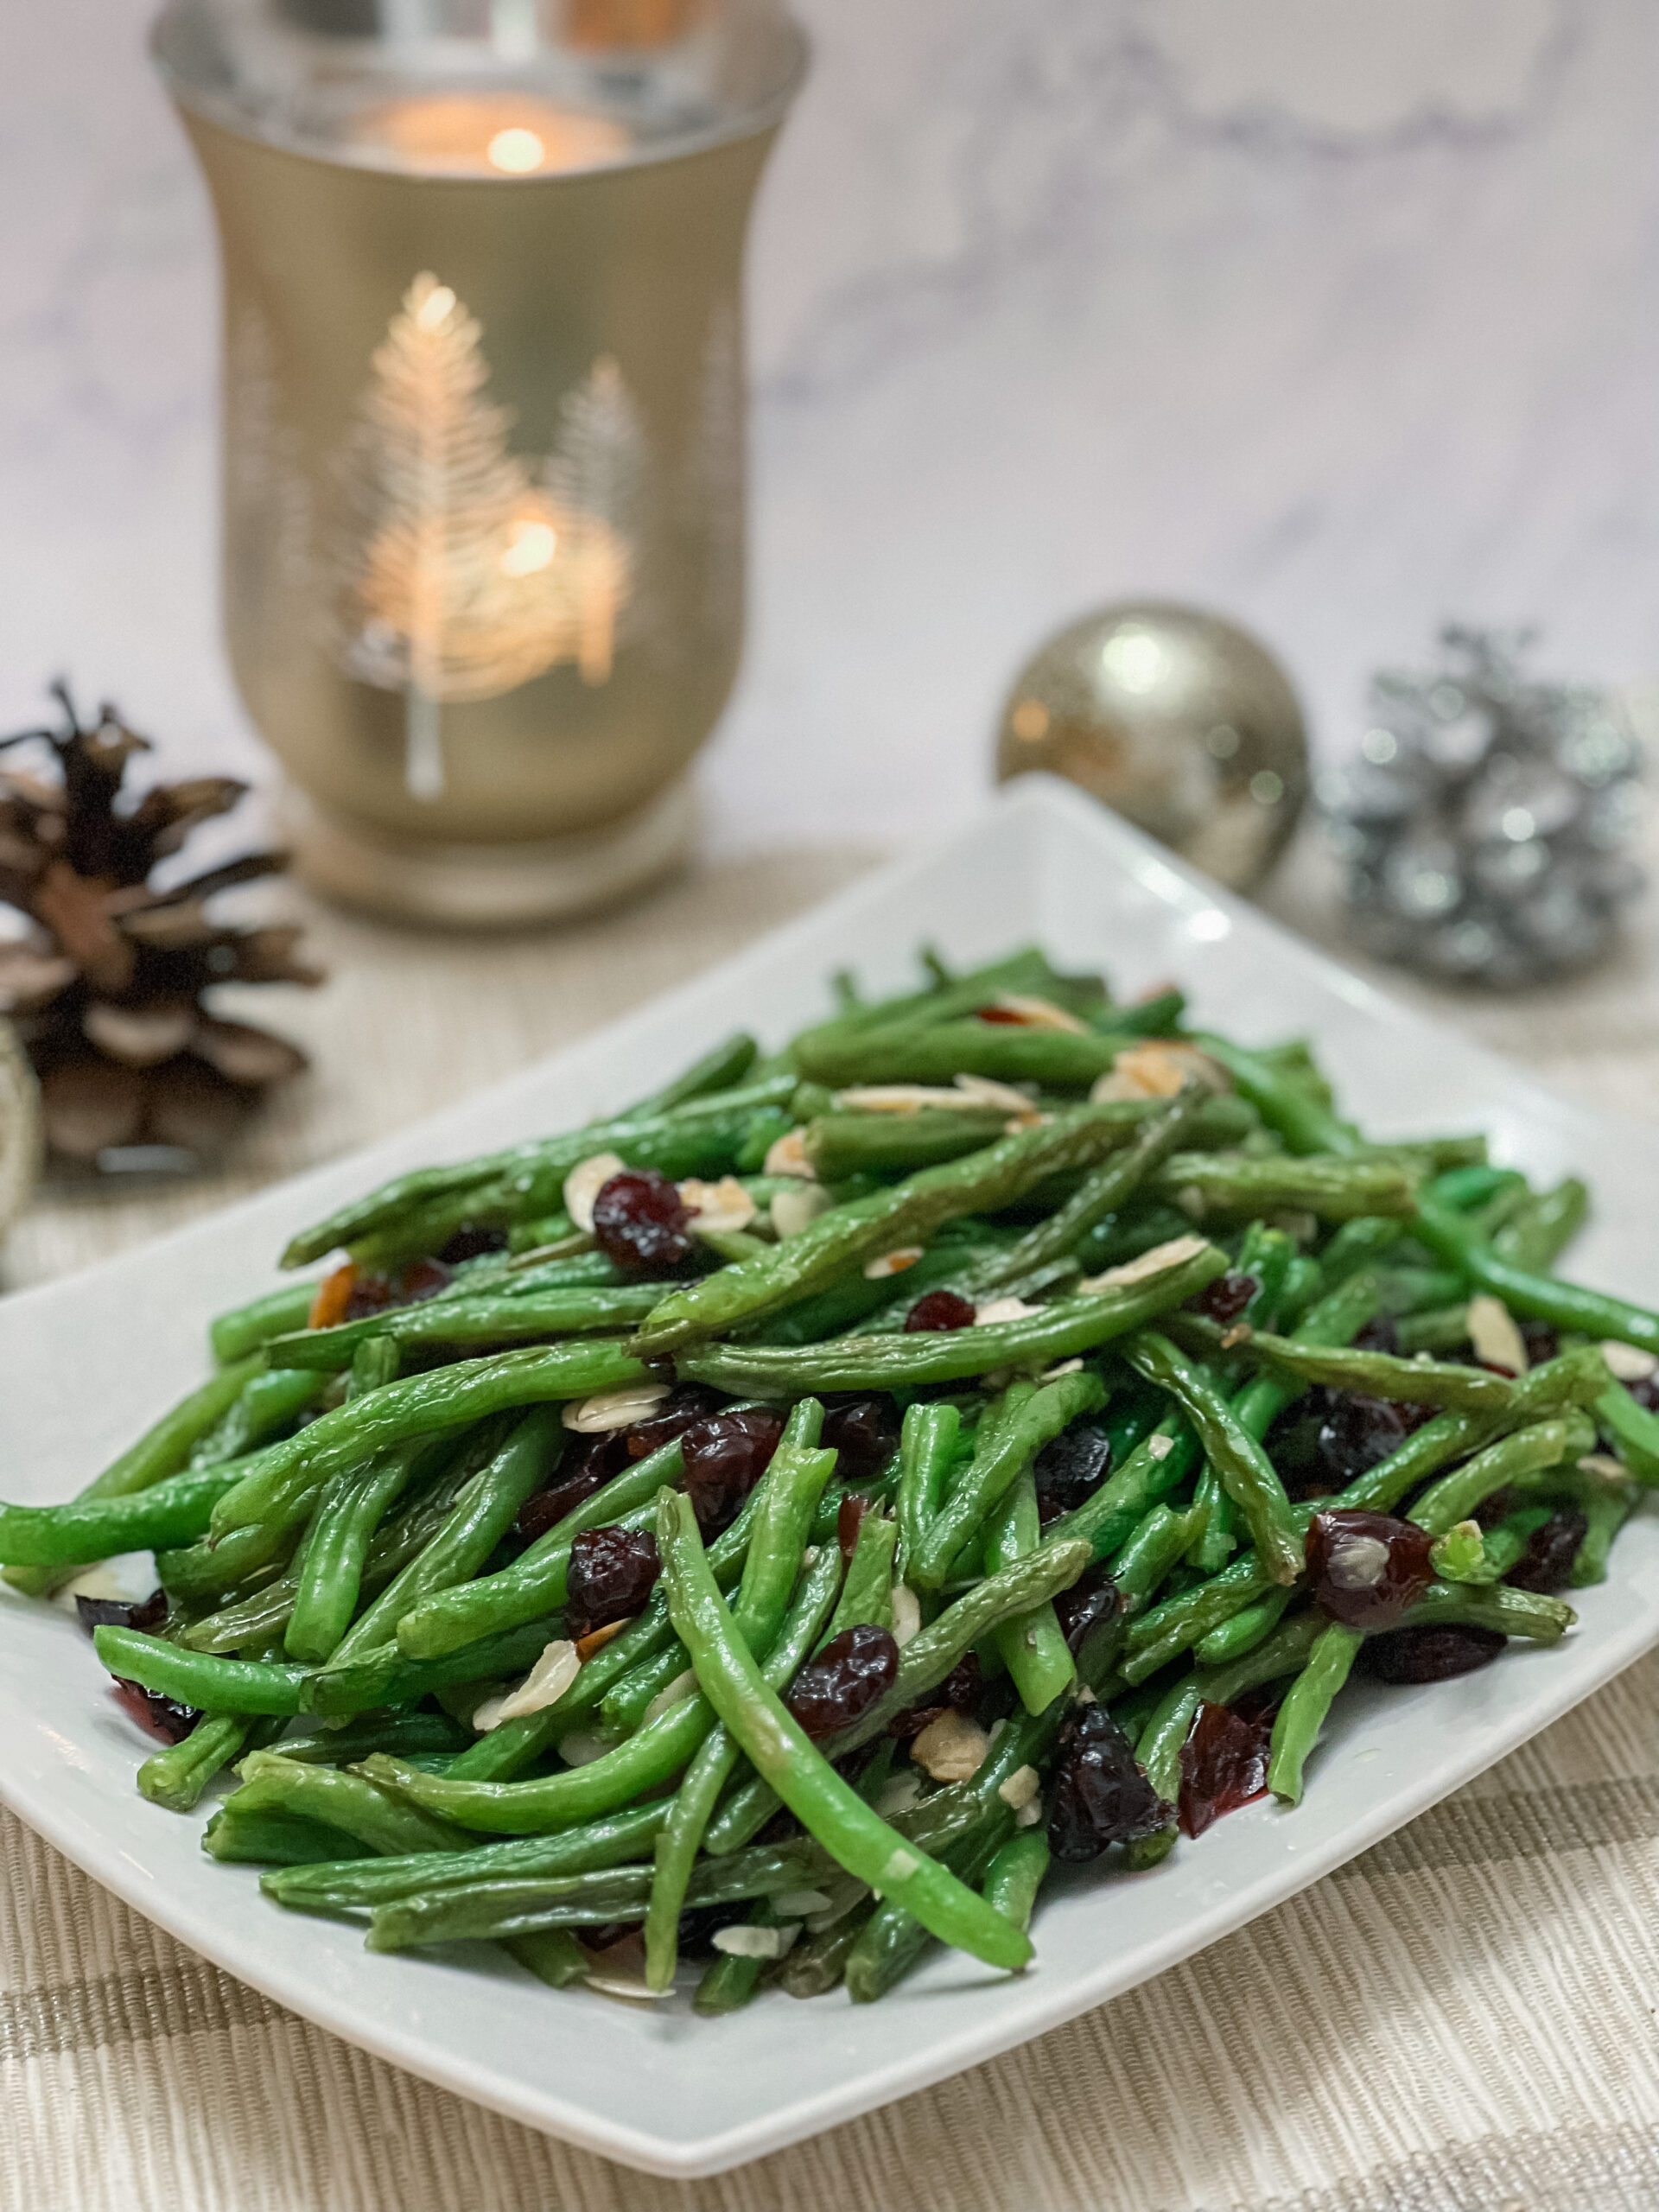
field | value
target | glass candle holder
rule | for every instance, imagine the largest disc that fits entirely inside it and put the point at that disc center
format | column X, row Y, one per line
column 483, row 470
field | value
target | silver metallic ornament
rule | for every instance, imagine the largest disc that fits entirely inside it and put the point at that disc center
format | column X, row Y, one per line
column 1176, row 719
column 1485, row 823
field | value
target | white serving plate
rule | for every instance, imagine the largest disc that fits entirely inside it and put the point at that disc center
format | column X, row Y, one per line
column 88, row 1362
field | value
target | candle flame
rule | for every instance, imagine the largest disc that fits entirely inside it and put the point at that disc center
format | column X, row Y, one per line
column 517, row 150
column 434, row 308
column 530, row 547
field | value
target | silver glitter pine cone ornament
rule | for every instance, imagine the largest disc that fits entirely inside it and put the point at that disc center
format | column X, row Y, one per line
column 1486, row 825
column 1180, row 721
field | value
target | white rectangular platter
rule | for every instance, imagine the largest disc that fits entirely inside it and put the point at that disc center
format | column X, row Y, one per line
column 88, row 1362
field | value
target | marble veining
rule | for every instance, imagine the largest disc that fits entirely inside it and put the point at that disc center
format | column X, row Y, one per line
column 1340, row 315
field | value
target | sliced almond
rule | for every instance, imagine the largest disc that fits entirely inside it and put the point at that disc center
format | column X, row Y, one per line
column 671, row 1693
column 1603, row 1463
column 1029, row 1815
column 1038, row 1014
column 895, row 1098
column 747, row 1940
column 1157, row 1069
column 1002, row 1309
column 951, row 1748
column 1175, row 1254
column 1493, row 1333
column 1626, row 1363
column 907, row 1613
column 722, row 1205
column 985, row 1090
column 1159, row 1447
column 898, row 1793
column 787, row 1156
column 544, row 1685
column 1021, row 1786
column 620, row 1971
column 583, row 1745
column 793, row 1210
column 596, row 1639
column 585, row 1182
column 1066, row 1367
column 892, row 1264
column 608, row 1409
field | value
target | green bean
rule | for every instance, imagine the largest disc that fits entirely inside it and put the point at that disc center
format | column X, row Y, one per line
column 814, row 1968
column 161, row 1451
column 521, row 1316
column 1151, row 1553
column 1155, row 1637
column 1535, row 1236
column 905, row 1213
column 1248, row 1476
column 1231, row 1639
column 552, row 1954
column 865, row 1598
column 443, row 1618
column 330, row 1578
column 1379, row 1375
column 1056, row 1332
column 1336, row 1189
column 1025, row 971
column 680, row 1839
column 376, row 1362
column 349, row 1802
column 177, row 1777
column 1605, row 1516
column 1359, row 1243
column 838, row 1145
column 626, row 1702
column 1015, row 1874
column 269, row 1403
column 275, row 1839
column 1284, row 1652
column 1634, row 1431
column 1022, row 1421
column 719, row 1069
column 1299, row 1719
column 199, row 1678
column 731, row 1980
column 1104, row 1189
column 1036, row 1653
column 893, row 1941
column 1300, row 1120
column 244, row 1328
column 1534, row 1297
column 1158, row 1465
column 171, row 1511
column 857, row 1838
column 489, row 1911
column 296, row 1469
column 643, row 1140
column 927, row 1446
column 355, row 1887
column 1455, row 1497
column 1460, row 1554
column 385, row 1676
column 406, row 1735
column 935, row 1051
column 1530, row 1613
column 1444, row 1328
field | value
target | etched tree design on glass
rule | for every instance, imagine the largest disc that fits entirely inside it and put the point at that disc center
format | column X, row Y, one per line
column 597, row 479
column 456, row 592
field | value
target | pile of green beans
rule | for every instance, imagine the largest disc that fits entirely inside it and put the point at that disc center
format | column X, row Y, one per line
column 1160, row 1258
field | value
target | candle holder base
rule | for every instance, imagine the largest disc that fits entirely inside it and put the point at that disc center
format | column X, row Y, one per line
column 488, row 887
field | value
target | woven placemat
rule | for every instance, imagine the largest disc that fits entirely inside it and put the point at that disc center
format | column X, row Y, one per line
column 1466, row 2020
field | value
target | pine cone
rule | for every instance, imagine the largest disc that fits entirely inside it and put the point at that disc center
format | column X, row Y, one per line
column 105, row 983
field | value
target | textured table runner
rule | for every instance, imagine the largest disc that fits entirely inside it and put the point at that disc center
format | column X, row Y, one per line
column 1466, row 2020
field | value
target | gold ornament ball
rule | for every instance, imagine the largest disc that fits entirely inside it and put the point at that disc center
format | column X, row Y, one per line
column 1177, row 720
column 21, row 1145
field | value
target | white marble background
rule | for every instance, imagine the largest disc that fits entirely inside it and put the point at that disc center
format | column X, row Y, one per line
column 1341, row 314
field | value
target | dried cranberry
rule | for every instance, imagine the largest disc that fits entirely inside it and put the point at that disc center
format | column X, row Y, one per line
column 940, row 1309
column 1093, row 1599
column 612, row 1572
column 1428, row 1654
column 1004, row 1016
column 1645, row 1391
column 1223, row 1764
column 640, row 1220
column 1100, row 1796
column 1333, row 1436
column 1547, row 1563
column 850, row 1519
column 688, row 1402
column 472, row 1241
column 960, row 1692
column 1071, row 1468
column 840, row 1685
column 1367, row 1568
column 725, row 1454
column 420, row 1279
column 159, row 1716
column 1496, row 1507
column 1226, row 1299
column 144, row 1613
column 863, row 1433
column 575, row 1487
column 1541, row 1341
column 369, row 1295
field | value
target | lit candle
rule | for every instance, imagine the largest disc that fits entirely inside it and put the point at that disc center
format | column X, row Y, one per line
column 483, row 134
